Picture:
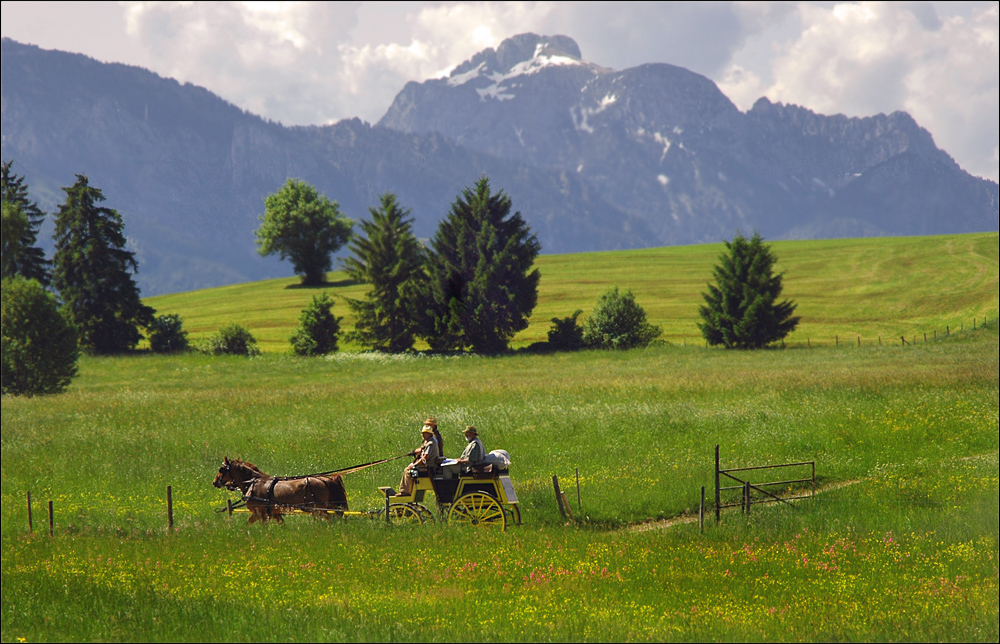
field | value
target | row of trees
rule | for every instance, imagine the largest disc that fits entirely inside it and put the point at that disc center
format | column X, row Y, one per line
column 95, row 305
column 474, row 288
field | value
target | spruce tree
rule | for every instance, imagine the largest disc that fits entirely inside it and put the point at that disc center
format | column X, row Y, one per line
column 741, row 310
column 482, row 287
column 28, row 260
column 92, row 272
column 391, row 260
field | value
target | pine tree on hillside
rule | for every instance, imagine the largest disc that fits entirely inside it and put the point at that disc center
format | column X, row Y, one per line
column 92, row 272
column 742, row 311
column 29, row 260
column 391, row 260
column 482, row 286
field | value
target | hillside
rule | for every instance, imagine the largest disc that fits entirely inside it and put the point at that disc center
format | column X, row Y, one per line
column 884, row 287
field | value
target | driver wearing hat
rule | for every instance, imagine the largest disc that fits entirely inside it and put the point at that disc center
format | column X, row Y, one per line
column 473, row 455
column 425, row 458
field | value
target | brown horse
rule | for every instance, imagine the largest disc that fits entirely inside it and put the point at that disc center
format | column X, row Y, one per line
column 268, row 497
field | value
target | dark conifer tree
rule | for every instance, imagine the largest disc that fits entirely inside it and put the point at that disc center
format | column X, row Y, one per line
column 29, row 261
column 92, row 272
column 391, row 260
column 741, row 311
column 482, row 287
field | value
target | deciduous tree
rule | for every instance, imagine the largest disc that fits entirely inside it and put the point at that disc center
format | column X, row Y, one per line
column 40, row 348
column 741, row 309
column 303, row 226
column 93, row 272
column 618, row 322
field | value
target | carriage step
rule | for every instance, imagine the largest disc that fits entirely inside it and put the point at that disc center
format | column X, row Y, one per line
column 387, row 490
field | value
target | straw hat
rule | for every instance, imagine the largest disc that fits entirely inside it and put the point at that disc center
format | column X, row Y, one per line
column 472, row 430
column 431, row 422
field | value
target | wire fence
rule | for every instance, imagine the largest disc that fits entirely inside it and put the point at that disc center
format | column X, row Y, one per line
column 888, row 339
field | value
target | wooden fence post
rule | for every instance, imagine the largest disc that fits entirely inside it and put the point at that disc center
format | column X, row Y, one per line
column 718, row 493
column 229, row 508
column 565, row 502
column 859, row 340
column 52, row 523
column 579, row 503
column 701, row 511
column 170, row 508
column 555, row 485
column 836, row 339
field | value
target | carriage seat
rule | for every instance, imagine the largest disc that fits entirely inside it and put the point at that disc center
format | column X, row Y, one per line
column 482, row 470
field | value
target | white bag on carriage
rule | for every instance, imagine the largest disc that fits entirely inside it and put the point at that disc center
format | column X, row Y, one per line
column 499, row 459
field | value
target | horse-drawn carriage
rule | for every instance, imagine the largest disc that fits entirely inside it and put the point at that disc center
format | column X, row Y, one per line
column 480, row 496
column 483, row 496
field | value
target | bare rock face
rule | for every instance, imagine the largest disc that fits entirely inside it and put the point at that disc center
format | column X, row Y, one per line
column 666, row 146
column 595, row 159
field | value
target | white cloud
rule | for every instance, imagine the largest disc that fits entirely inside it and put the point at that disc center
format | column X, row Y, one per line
column 306, row 62
column 870, row 57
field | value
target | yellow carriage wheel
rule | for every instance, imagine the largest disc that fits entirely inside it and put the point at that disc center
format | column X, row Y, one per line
column 479, row 510
column 425, row 514
column 404, row 513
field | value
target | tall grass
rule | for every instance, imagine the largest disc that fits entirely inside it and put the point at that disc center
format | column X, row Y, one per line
column 903, row 546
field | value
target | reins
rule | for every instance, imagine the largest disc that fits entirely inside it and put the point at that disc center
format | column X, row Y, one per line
column 344, row 470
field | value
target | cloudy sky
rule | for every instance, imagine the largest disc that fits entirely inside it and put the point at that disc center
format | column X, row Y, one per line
column 313, row 63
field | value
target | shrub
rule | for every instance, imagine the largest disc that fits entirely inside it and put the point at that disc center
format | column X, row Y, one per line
column 618, row 322
column 566, row 334
column 40, row 346
column 166, row 334
column 232, row 339
column 318, row 329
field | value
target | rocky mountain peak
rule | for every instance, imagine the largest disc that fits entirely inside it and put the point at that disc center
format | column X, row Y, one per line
column 525, row 50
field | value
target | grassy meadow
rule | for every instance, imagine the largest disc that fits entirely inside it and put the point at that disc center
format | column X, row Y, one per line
column 901, row 543
column 845, row 288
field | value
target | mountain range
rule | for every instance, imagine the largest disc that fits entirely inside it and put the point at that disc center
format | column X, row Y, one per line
column 595, row 159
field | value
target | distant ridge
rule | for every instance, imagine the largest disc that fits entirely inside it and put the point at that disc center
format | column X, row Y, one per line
column 594, row 158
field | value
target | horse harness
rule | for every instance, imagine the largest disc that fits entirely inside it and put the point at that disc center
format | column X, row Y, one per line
column 269, row 494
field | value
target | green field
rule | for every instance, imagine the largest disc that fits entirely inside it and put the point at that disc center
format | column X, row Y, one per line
column 845, row 288
column 901, row 543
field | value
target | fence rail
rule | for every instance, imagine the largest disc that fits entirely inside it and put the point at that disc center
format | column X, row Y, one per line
column 748, row 487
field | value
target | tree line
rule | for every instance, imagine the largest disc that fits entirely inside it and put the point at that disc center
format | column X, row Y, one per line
column 471, row 288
